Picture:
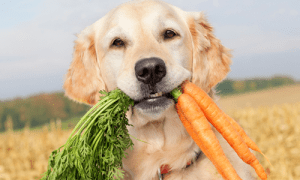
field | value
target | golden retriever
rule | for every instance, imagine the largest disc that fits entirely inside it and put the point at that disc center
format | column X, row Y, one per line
column 146, row 49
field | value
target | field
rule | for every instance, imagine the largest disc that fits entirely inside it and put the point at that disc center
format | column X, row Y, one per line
column 24, row 154
column 270, row 117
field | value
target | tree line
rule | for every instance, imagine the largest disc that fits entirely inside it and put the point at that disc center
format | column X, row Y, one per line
column 229, row 86
column 40, row 109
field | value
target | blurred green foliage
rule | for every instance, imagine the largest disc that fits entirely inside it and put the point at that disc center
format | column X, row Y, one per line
column 229, row 87
column 39, row 109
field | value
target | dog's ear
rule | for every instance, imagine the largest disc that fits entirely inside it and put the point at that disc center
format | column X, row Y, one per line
column 211, row 59
column 83, row 80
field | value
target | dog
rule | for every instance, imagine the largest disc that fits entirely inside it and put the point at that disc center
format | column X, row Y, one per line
column 147, row 48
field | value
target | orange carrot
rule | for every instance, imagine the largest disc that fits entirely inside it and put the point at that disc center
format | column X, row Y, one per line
column 189, row 128
column 196, row 139
column 206, row 140
column 216, row 117
column 246, row 138
column 193, row 134
column 251, row 144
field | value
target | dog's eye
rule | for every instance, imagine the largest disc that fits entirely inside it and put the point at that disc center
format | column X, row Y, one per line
column 118, row 43
column 169, row 34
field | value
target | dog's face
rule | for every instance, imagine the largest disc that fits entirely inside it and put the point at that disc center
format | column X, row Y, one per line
column 148, row 50
column 145, row 48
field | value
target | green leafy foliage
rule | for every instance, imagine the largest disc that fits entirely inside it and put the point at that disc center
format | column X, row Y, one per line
column 98, row 146
column 176, row 93
column 39, row 109
column 229, row 86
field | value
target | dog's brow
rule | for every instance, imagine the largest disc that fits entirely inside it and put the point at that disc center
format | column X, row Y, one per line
column 170, row 24
column 113, row 33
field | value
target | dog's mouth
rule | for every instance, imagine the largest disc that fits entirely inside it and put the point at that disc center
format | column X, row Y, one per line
column 154, row 100
column 155, row 97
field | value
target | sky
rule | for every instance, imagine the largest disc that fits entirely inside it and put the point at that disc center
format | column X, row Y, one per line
column 37, row 38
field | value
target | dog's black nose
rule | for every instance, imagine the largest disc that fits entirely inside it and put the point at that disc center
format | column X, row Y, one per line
column 150, row 70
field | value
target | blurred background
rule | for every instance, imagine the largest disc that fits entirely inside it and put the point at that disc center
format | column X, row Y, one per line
column 262, row 91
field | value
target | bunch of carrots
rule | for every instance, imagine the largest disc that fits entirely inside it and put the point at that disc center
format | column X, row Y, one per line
column 196, row 110
column 101, row 148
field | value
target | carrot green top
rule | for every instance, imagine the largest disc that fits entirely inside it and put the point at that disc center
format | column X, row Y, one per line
column 176, row 93
column 98, row 146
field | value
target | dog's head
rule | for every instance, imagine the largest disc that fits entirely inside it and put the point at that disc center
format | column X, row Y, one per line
column 146, row 48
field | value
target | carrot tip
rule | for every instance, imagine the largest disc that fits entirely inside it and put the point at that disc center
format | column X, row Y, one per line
column 266, row 159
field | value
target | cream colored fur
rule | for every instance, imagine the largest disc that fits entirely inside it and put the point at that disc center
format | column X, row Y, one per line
column 196, row 55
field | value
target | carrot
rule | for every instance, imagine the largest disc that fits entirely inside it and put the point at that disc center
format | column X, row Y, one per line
column 251, row 144
column 216, row 117
column 246, row 138
column 191, row 132
column 196, row 139
column 206, row 140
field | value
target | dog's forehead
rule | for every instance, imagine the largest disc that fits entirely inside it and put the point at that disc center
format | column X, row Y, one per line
column 142, row 13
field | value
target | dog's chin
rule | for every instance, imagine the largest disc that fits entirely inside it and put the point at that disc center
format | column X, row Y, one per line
column 153, row 108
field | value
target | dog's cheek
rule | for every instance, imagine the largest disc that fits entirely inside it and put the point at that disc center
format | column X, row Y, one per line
column 183, row 55
column 110, row 68
column 181, row 51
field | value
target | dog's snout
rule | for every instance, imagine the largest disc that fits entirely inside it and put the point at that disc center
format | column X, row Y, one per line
column 150, row 70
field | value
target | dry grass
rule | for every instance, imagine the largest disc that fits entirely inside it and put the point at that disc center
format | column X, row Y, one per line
column 275, row 129
column 268, row 97
column 24, row 155
column 272, row 119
